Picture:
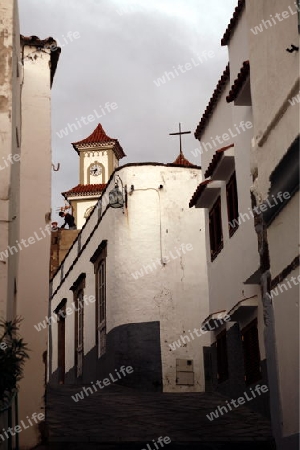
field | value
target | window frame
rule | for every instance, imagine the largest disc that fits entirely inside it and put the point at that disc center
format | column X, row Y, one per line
column 99, row 261
column 101, row 306
column 232, row 204
column 78, row 299
column 216, row 240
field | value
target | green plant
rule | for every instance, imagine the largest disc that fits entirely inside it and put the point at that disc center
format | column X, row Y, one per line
column 13, row 353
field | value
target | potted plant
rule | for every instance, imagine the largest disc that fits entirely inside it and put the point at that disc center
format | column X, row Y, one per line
column 13, row 354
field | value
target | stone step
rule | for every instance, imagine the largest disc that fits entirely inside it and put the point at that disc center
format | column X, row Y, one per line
column 173, row 446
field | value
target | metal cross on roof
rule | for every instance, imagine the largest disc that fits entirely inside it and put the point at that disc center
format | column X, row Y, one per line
column 180, row 133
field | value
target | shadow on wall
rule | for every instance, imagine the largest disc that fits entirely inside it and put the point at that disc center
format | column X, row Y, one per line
column 137, row 345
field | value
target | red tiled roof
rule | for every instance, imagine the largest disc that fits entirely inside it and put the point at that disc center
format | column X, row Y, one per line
column 212, row 103
column 233, row 22
column 200, row 189
column 239, row 82
column 182, row 161
column 48, row 42
column 85, row 189
column 215, row 160
column 99, row 136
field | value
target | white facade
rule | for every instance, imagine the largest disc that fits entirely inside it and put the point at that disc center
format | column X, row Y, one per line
column 10, row 140
column 225, row 136
column 158, row 234
column 35, row 184
column 25, row 196
column 257, row 268
column 274, row 83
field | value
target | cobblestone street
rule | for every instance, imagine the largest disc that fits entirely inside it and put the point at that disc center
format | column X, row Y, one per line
column 121, row 418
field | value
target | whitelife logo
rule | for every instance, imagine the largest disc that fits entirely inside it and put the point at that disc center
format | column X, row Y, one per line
column 183, row 68
column 10, row 159
column 87, row 119
column 69, row 310
column 295, row 100
column 211, row 326
column 259, row 209
column 23, row 244
column 152, row 266
column 220, row 140
column 279, row 17
column 274, row 292
column 161, row 441
column 240, row 401
column 18, row 428
column 106, row 381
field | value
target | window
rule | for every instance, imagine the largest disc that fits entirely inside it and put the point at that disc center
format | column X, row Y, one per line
column 99, row 261
column 101, row 307
column 232, row 205
column 79, row 333
column 222, row 360
column 215, row 229
column 251, row 353
column 61, row 340
column 78, row 292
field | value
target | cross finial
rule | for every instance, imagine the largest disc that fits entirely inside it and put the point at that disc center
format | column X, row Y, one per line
column 180, row 133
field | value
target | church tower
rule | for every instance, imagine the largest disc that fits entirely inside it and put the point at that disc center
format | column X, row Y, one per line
column 99, row 156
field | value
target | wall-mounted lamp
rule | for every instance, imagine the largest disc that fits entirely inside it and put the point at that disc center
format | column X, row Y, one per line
column 292, row 49
column 116, row 198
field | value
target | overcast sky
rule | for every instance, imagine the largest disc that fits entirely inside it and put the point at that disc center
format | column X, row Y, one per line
column 121, row 47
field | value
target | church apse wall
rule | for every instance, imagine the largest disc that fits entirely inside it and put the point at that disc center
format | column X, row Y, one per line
column 133, row 320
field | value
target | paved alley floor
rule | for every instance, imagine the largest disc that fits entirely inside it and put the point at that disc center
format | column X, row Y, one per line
column 120, row 418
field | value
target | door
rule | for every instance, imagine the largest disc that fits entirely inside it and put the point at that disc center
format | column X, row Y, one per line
column 61, row 350
column 79, row 335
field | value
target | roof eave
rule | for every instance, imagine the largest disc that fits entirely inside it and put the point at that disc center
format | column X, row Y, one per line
column 233, row 23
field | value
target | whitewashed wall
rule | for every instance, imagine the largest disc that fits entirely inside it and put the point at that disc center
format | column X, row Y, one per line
column 156, row 222
column 35, row 204
column 10, row 127
column 275, row 80
column 238, row 259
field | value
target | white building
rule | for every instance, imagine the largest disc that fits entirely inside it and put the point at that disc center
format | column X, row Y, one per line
column 237, row 355
column 275, row 169
column 27, row 68
column 143, row 268
column 249, row 144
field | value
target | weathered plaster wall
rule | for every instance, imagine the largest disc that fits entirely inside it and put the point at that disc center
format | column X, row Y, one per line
column 35, row 198
column 274, row 81
column 156, row 222
column 10, row 139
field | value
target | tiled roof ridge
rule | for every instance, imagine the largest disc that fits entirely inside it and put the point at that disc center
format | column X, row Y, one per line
column 233, row 22
column 238, row 82
column 99, row 136
column 96, row 137
column 85, row 189
column 212, row 102
column 182, row 161
column 215, row 160
column 201, row 188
